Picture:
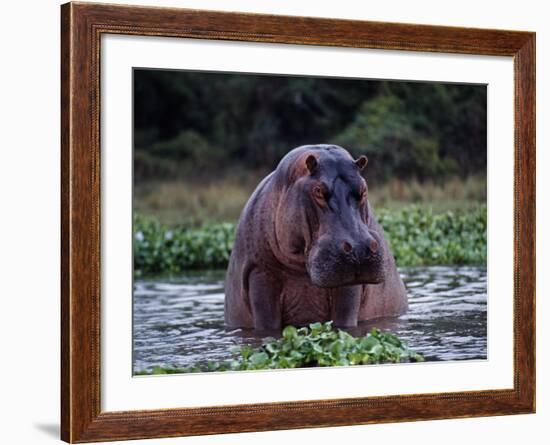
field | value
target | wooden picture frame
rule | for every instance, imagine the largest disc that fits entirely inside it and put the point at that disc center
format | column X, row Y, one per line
column 82, row 25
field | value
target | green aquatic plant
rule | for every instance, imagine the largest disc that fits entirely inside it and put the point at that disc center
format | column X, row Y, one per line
column 159, row 249
column 315, row 346
column 417, row 236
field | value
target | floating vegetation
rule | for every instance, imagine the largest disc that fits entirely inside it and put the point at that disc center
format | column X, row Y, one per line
column 417, row 236
column 315, row 346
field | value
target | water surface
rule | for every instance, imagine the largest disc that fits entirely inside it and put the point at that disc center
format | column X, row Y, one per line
column 179, row 322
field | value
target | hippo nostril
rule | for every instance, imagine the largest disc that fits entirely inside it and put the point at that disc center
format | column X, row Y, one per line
column 373, row 246
column 346, row 247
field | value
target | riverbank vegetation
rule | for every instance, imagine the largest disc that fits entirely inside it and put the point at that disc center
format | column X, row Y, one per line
column 317, row 345
column 198, row 124
column 417, row 236
column 203, row 141
column 194, row 202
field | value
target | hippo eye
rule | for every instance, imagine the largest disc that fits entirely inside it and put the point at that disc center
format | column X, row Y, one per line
column 361, row 195
column 319, row 192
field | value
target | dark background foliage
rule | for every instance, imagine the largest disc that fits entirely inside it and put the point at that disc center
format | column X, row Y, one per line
column 201, row 123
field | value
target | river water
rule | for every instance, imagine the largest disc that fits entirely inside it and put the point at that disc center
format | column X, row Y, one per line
column 179, row 322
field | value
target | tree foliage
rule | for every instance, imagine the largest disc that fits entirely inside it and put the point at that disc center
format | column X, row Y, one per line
column 195, row 122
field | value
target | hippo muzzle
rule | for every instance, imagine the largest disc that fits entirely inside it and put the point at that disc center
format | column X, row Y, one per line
column 344, row 261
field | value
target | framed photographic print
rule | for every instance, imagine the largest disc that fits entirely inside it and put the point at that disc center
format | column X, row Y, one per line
column 275, row 222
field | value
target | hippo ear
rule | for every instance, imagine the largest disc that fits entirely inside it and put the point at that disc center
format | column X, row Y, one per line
column 311, row 164
column 361, row 162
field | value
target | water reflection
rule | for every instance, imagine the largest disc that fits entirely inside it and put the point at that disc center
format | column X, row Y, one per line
column 179, row 322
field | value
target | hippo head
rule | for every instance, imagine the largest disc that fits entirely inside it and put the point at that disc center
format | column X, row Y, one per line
column 324, row 213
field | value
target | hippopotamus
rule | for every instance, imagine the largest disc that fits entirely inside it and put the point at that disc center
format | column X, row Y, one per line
column 308, row 248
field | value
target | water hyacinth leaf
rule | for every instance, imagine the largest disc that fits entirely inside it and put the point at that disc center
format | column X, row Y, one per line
column 259, row 358
column 289, row 332
column 417, row 236
column 315, row 327
column 317, row 345
column 246, row 351
column 272, row 347
column 369, row 342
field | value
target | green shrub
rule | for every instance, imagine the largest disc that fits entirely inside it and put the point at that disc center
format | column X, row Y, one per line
column 419, row 237
column 159, row 249
column 313, row 346
column 400, row 142
column 416, row 235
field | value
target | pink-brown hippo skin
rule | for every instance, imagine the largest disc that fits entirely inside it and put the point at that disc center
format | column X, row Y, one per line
column 308, row 248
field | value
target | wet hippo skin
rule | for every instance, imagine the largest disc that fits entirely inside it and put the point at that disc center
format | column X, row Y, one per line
column 308, row 248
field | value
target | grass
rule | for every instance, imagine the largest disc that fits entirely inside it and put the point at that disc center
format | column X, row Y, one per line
column 200, row 201
column 197, row 202
column 454, row 194
column 417, row 236
column 318, row 345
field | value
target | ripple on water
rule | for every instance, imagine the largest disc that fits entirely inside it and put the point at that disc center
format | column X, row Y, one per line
column 179, row 322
